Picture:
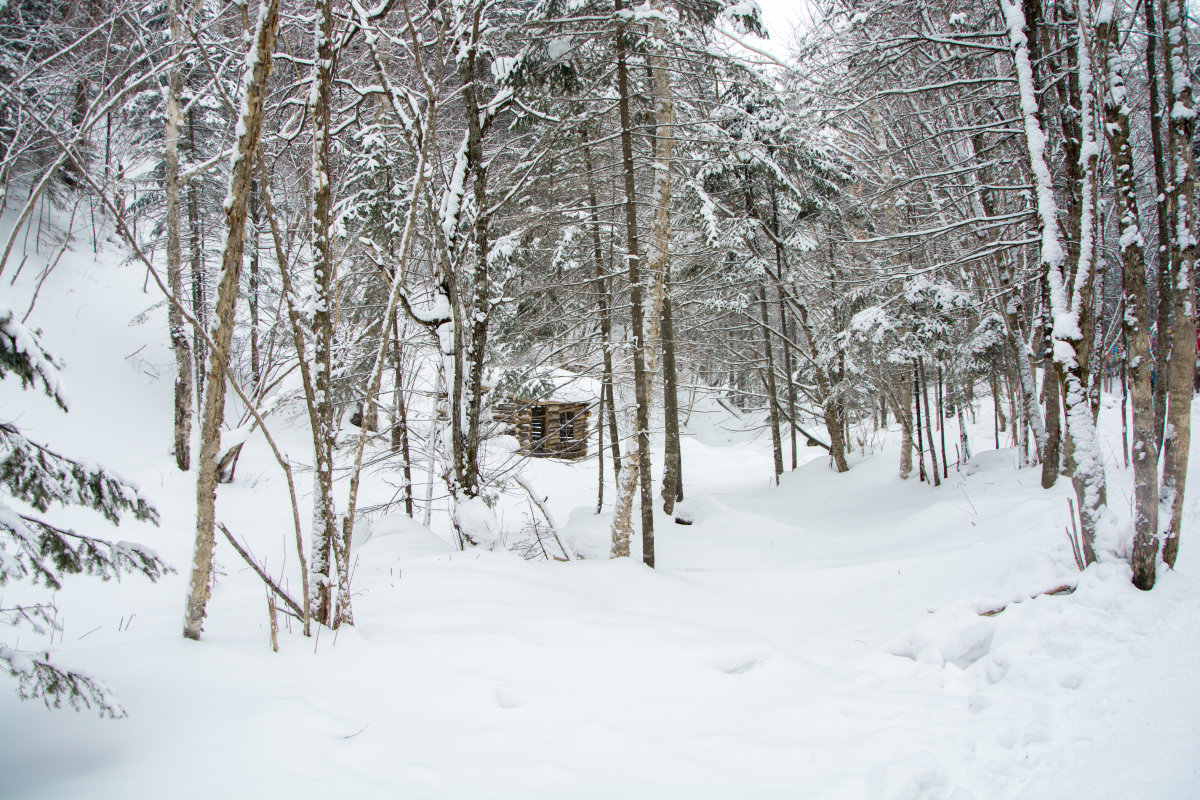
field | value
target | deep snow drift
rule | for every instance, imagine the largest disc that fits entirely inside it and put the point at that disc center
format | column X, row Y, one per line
column 821, row 639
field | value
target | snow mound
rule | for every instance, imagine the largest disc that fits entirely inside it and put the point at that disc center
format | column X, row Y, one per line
column 478, row 522
column 400, row 534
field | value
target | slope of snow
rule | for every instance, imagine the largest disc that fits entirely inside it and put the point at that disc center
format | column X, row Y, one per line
column 822, row 639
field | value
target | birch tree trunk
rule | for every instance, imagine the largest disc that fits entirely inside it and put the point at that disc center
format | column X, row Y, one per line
column 622, row 527
column 179, row 339
column 645, row 322
column 1180, row 197
column 327, row 542
column 657, row 264
column 933, row 456
column 258, row 70
column 481, row 308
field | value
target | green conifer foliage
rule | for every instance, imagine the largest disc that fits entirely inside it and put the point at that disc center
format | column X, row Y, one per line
column 35, row 550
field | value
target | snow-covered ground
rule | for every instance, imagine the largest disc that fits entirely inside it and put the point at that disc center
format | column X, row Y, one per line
column 821, row 639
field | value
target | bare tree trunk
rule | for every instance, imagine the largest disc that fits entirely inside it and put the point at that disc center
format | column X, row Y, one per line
column 916, row 381
column 933, row 458
column 249, row 127
column 769, row 384
column 1001, row 420
column 658, row 263
column 905, row 419
column 997, row 414
column 1162, row 173
column 1070, row 288
column 1181, row 197
column 1051, row 456
column 255, row 356
column 783, row 322
column 1136, row 316
column 602, row 299
column 399, row 435
column 481, row 307
column 326, row 538
column 964, row 445
column 941, row 408
column 600, row 453
column 645, row 352
column 622, row 527
column 672, row 490
column 791, row 386
column 199, row 288
column 179, row 339
column 1124, row 379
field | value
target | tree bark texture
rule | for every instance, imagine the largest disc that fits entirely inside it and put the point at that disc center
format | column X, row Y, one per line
column 1162, row 208
column 179, row 339
column 1051, row 458
column 328, row 555
column 1069, row 285
column 1136, row 317
column 258, row 70
column 672, row 488
column 622, row 527
column 906, row 425
column 1180, row 197
column 769, row 384
column 933, row 456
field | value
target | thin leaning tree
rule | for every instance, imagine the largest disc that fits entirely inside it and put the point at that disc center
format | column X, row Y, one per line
column 254, row 84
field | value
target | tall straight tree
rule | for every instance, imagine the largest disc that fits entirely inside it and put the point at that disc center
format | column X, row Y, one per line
column 1180, row 198
column 179, row 339
column 622, row 527
column 1136, row 316
column 646, row 320
column 329, row 549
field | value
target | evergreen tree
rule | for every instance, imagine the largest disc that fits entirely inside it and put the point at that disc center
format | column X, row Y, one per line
column 35, row 550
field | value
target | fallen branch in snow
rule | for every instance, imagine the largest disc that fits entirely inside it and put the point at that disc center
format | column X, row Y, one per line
column 1066, row 588
column 540, row 502
column 292, row 604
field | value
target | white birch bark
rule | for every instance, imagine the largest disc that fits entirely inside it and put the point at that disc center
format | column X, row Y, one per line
column 636, row 469
column 179, row 339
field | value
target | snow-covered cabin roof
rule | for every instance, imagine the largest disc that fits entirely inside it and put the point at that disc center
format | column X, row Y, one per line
column 557, row 386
